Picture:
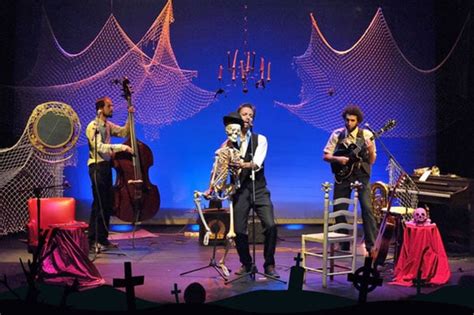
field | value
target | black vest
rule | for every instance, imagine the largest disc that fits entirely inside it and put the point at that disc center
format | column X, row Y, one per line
column 245, row 179
column 360, row 141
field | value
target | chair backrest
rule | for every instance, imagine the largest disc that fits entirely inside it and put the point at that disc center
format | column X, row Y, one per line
column 349, row 212
column 350, row 215
column 52, row 211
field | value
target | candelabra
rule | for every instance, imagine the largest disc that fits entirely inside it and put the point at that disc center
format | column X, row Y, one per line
column 245, row 69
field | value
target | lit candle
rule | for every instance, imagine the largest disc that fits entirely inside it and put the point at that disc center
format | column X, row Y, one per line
column 219, row 75
column 235, row 58
column 233, row 74
column 248, row 61
column 242, row 70
column 268, row 71
column 228, row 60
column 253, row 60
column 262, row 67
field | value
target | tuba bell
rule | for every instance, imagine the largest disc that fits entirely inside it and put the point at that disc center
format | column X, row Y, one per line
column 379, row 198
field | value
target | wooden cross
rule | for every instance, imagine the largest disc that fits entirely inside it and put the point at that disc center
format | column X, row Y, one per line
column 418, row 282
column 298, row 259
column 365, row 283
column 176, row 293
column 296, row 275
column 67, row 291
column 129, row 283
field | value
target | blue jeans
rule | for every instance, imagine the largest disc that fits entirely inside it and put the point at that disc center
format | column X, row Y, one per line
column 343, row 190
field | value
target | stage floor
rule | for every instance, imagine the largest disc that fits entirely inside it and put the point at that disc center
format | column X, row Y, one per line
column 167, row 252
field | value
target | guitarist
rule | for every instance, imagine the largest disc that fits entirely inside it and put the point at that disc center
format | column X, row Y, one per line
column 339, row 151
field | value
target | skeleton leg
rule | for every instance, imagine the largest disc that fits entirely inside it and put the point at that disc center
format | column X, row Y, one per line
column 229, row 239
column 197, row 201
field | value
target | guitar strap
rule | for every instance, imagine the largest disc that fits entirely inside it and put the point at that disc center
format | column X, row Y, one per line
column 365, row 165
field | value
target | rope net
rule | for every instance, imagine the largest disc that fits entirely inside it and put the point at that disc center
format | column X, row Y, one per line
column 24, row 167
column 163, row 94
column 374, row 74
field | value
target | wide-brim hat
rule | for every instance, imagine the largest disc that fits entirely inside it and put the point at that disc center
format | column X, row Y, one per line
column 233, row 118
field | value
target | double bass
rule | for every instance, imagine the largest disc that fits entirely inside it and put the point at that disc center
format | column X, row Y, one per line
column 135, row 197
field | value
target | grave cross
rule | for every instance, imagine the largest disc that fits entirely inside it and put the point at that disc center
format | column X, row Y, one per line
column 129, row 283
column 365, row 283
column 419, row 282
column 176, row 293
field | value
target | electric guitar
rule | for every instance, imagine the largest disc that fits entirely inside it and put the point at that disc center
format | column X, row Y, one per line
column 352, row 151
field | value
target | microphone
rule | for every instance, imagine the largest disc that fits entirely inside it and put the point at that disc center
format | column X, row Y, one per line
column 99, row 112
column 250, row 122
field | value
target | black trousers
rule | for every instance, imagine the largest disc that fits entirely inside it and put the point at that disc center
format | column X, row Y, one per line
column 101, row 179
column 242, row 202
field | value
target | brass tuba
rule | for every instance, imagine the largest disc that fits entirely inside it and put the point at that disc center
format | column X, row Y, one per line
column 379, row 198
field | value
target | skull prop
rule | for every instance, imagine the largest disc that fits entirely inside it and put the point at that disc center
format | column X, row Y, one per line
column 232, row 131
column 420, row 217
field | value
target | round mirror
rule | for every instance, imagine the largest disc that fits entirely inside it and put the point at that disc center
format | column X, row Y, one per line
column 54, row 128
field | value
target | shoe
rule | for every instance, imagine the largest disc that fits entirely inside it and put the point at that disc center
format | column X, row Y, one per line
column 243, row 270
column 370, row 252
column 101, row 247
column 270, row 271
column 107, row 245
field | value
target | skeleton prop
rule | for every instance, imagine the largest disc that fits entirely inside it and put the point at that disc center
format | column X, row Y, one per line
column 224, row 181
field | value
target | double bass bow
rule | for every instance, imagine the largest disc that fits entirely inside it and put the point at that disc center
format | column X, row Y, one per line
column 135, row 197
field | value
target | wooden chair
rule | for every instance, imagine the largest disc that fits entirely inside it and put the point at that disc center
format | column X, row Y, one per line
column 329, row 237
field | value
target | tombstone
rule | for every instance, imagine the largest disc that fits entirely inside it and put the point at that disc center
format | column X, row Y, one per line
column 195, row 294
column 296, row 275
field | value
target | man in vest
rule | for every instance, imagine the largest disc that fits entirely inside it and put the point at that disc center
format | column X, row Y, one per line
column 339, row 141
column 253, row 150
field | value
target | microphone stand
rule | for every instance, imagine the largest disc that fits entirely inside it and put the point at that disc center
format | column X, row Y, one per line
column 253, row 268
column 384, row 147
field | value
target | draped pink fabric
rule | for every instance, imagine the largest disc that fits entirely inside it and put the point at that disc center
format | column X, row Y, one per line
column 66, row 257
column 422, row 246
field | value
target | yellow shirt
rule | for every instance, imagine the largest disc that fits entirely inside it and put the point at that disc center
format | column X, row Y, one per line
column 105, row 149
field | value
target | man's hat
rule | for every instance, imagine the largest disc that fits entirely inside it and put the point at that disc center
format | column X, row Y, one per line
column 233, row 118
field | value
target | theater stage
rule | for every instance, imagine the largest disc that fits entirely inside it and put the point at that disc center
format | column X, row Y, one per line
column 166, row 253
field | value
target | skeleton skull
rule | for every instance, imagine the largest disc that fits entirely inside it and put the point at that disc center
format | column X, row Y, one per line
column 232, row 131
column 420, row 217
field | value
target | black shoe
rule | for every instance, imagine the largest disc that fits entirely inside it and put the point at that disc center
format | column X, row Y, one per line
column 270, row 271
column 243, row 270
